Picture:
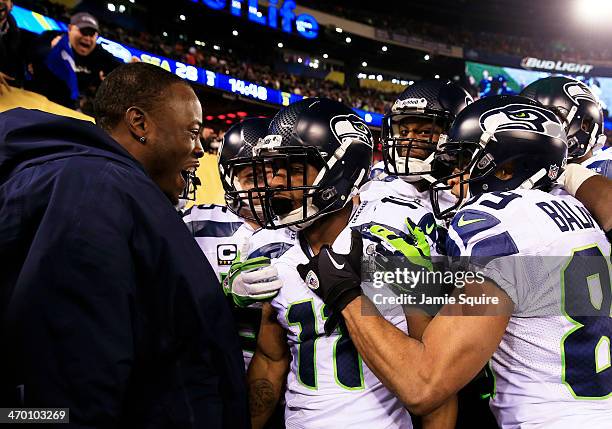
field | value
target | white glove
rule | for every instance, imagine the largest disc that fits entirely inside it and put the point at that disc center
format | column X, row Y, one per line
column 574, row 176
column 252, row 281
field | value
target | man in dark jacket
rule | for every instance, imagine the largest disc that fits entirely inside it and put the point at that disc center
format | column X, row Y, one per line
column 12, row 59
column 68, row 67
column 107, row 305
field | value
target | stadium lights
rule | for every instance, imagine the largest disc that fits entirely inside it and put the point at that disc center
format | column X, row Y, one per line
column 384, row 49
column 426, row 57
column 165, row 34
column 132, row 1
column 216, row 47
column 235, row 33
column 594, row 11
column 325, row 56
column 121, row 8
column 379, row 78
column 338, row 30
column 111, row 7
column 364, row 64
column 403, row 82
column 437, row 76
column 182, row 17
column 300, row 60
column 348, row 40
column 280, row 44
column 411, row 82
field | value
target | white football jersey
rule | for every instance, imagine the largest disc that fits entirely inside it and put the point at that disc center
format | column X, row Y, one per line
column 220, row 234
column 552, row 368
column 223, row 237
column 382, row 183
column 601, row 162
column 328, row 383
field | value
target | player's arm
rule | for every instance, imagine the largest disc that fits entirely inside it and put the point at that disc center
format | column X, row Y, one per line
column 445, row 416
column 592, row 190
column 268, row 369
column 426, row 373
column 596, row 194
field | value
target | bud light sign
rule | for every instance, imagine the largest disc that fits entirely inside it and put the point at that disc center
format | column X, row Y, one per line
column 275, row 16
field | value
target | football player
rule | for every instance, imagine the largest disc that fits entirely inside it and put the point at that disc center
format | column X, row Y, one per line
column 224, row 233
column 409, row 135
column 545, row 295
column 319, row 153
column 582, row 115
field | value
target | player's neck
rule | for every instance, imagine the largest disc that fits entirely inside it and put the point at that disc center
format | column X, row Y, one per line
column 252, row 224
column 326, row 230
column 580, row 160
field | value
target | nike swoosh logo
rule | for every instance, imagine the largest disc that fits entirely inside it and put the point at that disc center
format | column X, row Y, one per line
column 429, row 228
column 462, row 222
column 334, row 263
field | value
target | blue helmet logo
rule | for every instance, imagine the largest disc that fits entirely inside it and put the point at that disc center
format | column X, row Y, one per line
column 521, row 117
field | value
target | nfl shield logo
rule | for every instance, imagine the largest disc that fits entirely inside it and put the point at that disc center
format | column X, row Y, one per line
column 312, row 280
column 553, row 172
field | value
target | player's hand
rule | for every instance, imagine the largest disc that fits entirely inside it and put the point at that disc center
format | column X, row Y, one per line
column 414, row 246
column 335, row 278
column 574, row 176
column 251, row 281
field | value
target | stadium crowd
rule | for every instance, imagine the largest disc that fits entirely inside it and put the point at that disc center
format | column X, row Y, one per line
column 556, row 48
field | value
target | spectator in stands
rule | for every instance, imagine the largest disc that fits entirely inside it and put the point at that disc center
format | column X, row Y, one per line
column 12, row 65
column 69, row 66
column 107, row 303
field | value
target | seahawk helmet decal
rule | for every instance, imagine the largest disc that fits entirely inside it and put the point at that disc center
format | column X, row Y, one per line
column 510, row 132
column 578, row 91
column 350, row 127
column 521, row 117
column 577, row 106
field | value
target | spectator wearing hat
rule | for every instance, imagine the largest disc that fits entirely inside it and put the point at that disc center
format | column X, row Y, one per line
column 68, row 67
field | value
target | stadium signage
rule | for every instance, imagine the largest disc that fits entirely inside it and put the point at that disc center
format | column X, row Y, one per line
column 36, row 23
column 558, row 66
column 305, row 25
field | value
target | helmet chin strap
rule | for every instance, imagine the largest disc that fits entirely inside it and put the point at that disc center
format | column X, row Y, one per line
column 530, row 182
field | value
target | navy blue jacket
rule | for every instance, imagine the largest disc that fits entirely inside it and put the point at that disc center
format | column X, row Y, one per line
column 108, row 306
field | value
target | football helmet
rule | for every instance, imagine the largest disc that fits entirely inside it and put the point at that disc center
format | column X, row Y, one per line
column 507, row 131
column 314, row 132
column 191, row 186
column 235, row 154
column 432, row 105
column 578, row 108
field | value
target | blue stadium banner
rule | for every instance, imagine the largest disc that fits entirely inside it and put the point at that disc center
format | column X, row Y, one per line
column 37, row 23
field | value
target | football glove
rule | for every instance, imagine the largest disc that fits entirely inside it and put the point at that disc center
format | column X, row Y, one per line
column 415, row 247
column 253, row 280
column 335, row 278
